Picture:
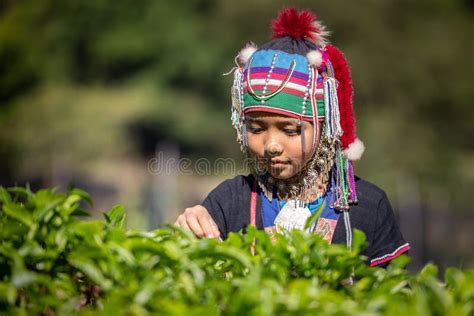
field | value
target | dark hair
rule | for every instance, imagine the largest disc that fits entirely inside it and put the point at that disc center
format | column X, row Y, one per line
column 290, row 45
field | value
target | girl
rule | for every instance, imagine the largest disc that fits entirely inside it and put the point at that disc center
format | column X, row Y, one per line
column 292, row 110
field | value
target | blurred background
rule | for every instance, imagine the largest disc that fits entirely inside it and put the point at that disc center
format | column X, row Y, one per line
column 97, row 94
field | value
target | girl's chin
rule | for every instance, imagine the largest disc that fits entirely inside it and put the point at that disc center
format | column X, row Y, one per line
column 281, row 174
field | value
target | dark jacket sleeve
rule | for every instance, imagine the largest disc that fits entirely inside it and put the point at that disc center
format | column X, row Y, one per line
column 217, row 202
column 229, row 205
column 387, row 242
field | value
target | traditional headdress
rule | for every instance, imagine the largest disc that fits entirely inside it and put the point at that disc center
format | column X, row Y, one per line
column 298, row 74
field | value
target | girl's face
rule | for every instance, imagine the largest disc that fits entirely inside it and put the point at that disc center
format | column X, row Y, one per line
column 275, row 140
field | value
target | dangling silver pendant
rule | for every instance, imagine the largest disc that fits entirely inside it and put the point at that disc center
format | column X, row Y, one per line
column 281, row 186
column 321, row 162
column 292, row 216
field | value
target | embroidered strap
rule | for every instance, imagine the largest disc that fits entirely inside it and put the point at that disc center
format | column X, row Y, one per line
column 253, row 205
column 253, row 212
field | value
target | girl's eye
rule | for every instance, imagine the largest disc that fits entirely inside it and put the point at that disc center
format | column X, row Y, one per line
column 255, row 130
column 292, row 132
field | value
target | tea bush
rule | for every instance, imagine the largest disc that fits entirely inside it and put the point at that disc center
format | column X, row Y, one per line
column 54, row 263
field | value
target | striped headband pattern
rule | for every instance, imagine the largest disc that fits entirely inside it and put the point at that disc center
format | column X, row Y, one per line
column 283, row 83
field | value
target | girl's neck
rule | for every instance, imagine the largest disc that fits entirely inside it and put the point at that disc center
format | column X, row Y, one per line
column 316, row 191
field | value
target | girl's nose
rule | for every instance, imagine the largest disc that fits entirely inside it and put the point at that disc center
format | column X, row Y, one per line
column 273, row 149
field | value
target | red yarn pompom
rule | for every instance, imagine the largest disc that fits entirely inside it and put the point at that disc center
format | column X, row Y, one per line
column 344, row 94
column 297, row 25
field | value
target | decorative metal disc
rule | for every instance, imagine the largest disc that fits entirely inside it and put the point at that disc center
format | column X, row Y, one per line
column 291, row 217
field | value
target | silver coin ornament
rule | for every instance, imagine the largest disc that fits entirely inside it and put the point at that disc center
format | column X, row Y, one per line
column 292, row 216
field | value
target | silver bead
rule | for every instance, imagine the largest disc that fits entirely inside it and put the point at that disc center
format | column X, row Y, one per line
column 281, row 186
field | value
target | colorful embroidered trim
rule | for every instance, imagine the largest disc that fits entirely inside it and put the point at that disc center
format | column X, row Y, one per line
column 390, row 256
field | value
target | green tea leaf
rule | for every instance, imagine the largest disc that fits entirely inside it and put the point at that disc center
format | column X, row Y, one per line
column 91, row 270
column 358, row 241
column 24, row 278
column 429, row 271
column 116, row 216
column 400, row 262
column 311, row 221
column 83, row 194
column 8, row 293
column 4, row 195
column 21, row 192
column 80, row 212
column 53, row 263
column 18, row 212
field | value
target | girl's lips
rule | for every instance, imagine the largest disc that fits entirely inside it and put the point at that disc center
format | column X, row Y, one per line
column 278, row 164
column 275, row 164
column 278, row 161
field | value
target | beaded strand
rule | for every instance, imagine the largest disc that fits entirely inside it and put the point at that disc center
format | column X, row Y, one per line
column 269, row 75
column 307, row 91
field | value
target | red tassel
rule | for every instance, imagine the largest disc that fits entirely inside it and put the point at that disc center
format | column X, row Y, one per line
column 297, row 25
column 344, row 94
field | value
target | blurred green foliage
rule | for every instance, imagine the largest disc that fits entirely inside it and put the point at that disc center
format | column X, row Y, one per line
column 52, row 263
column 83, row 82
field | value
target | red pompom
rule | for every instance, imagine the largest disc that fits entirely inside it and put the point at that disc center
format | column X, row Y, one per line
column 344, row 94
column 297, row 25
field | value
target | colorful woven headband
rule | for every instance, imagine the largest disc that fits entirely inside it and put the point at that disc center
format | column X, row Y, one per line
column 299, row 75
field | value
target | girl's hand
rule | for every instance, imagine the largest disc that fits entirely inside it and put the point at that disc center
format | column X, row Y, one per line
column 198, row 220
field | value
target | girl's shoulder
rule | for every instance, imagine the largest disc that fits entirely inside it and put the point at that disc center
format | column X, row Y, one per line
column 239, row 183
column 368, row 192
column 372, row 203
